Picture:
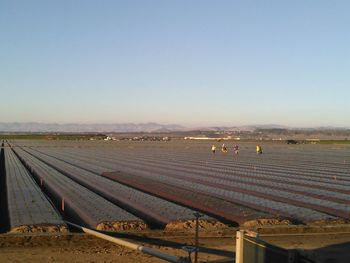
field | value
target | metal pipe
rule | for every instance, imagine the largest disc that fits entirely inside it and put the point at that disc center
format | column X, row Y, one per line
column 197, row 215
column 121, row 242
column 196, row 242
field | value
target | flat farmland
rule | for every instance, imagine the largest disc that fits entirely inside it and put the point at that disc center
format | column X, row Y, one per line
column 296, row 195
column 139, row 185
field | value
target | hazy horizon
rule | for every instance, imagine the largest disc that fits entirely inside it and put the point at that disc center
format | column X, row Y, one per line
column 176, row 125
column 197, row 63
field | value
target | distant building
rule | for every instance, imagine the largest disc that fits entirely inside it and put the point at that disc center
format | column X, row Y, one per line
column 199, row 138
column 207, row 138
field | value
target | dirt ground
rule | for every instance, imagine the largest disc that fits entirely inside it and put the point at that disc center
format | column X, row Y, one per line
column 325, row 244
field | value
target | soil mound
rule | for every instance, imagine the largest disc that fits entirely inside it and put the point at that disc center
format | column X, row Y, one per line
column 39, row 229
column 266, row 222
column 118, row 226
column 191, row 224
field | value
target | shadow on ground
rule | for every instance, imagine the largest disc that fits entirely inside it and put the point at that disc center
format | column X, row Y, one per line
column 337, row 253
column 172, row 244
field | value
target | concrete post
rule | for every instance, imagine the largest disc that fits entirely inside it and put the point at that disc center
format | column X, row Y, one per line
column 239, row 246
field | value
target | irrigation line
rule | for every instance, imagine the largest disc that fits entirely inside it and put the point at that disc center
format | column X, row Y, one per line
column 143, row 249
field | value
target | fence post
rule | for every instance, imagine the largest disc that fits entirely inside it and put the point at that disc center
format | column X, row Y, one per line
column 239, row 246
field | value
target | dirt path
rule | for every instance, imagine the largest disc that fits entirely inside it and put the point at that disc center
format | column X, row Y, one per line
column 215, row 246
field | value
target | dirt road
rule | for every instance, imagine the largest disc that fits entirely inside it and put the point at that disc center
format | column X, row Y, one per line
column 215, row 246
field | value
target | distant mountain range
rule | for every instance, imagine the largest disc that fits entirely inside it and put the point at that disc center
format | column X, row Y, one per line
column 244, row 128
column 86, row 128
column 133, row 127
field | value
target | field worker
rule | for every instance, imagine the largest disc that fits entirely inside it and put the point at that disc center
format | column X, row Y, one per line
column 213, row 148
column 235, row 149
column 258, row 149
column 223, row 148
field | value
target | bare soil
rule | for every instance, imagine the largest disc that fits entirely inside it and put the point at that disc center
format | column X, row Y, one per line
column 40, row 229
column 324, row 243
column 191, row 224
column 121, row 226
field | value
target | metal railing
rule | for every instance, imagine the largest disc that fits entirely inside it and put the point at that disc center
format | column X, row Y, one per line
column 251, row 249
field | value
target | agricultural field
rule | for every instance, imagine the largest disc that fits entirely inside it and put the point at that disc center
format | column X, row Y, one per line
column 125, row 185
column 149, row 192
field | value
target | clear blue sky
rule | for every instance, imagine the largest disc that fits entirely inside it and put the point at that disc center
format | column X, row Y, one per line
column 186, row 62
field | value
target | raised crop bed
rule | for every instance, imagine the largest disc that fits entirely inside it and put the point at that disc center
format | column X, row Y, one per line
column 76, row 202
column 155, row 211
column 268, row 200
column 28, row 208
column 308, row 183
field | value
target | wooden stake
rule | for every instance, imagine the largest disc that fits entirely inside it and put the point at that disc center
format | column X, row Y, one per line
column 62, row 204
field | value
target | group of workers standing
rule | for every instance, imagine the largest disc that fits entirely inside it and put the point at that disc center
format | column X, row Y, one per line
column 235, row 149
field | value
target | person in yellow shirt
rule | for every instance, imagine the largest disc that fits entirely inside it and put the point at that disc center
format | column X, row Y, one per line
column 213, row 148
column 258, row 149
column 223, row 148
